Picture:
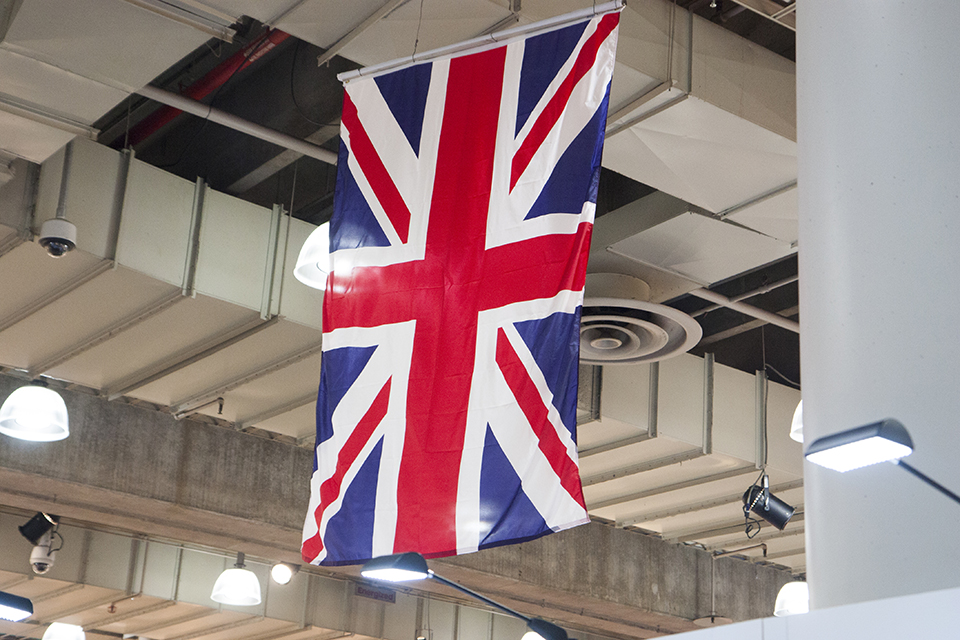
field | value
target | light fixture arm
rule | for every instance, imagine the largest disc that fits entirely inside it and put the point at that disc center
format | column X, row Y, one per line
column 930, row 481
column 480, row 597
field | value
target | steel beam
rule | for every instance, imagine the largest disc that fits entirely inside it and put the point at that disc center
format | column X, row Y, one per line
column 693, row 482
column 642, row 467
column 45, row 300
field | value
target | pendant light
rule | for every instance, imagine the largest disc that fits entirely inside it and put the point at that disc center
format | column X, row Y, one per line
column 34, row 413
column 794, row 598
column 313, row 263
column 237, row 586
column 63, row 631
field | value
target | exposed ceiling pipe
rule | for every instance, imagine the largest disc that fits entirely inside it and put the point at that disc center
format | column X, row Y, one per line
column 748, row 309
column 749, row 294
column 239, row 124
column 206, row 85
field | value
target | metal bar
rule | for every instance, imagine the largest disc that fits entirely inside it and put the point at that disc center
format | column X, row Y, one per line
column 613, row 446
column 110, row 332
column 203, row 351
column 118, row 617
column 732, row 498
column 36, row 113
column 277, row 411
column 375, row 17
column 74, row 283
column 749, row 294
column 489, row 39
column 238, row 124
column 930, row 481
column 707, row 404
column 763, row 197
column 747, row 309
column 280, row 161
column 482, row 598
column 649, row 114
column 643, row 467
column 746, row 326
column 767, row 9
column 790, row 8
column 219, row 390
column 759, row 545
column 653, row 401
column 219, row 628
column 172, row 623
column 693, row 482
column 761, row 419
column 188, row 288
column 636, row 102
column 188, row 18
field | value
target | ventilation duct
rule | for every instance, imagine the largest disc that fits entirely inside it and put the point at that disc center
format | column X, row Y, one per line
column 618, row 324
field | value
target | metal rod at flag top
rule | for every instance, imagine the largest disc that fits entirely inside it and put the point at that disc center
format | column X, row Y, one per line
column 488, row 41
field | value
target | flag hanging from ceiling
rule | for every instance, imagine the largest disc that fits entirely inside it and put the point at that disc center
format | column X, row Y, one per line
column 466, row 191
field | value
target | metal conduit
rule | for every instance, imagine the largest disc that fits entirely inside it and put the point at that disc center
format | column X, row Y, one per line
column 238, row 124
column 748, row 309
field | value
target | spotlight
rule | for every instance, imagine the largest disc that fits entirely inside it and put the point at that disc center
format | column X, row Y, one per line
column 759, row 500
column 282, row 573
column 14, row 608
column 38, row 525
column 237, row 586
column 884, row 441
column 402, row 567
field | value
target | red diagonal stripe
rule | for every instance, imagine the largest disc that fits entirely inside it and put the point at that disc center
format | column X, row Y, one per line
column 377, row 175
column 554, row 109
column 330, row 489
column 528, row 397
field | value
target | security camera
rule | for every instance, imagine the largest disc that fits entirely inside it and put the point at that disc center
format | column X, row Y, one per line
column 43, row 554
column 58, row 236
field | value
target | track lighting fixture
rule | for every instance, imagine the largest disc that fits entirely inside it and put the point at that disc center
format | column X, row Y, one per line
column 14, row 608
column 237, row 586
column 34, row 413
column 758, row 499
column 402, row 567
column 884, row 441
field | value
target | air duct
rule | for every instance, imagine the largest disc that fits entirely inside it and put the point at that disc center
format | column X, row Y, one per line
column 619, row 325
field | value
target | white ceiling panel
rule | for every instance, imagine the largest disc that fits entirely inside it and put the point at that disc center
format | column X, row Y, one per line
column 298, row 423
column 30, row 139
column 702, row 249
column 775, row 216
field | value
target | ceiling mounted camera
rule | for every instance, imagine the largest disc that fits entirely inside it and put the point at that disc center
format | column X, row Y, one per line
column 58, row 236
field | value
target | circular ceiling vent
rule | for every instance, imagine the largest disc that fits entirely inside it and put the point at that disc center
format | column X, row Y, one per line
column 619, row 326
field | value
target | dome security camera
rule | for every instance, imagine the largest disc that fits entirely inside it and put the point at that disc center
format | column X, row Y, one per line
column 43, row 554
column 58, row 236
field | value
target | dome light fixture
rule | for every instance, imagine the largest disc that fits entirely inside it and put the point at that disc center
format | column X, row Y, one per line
column 313, row 263
column 402, row 567
column 34, row 413
column 237, row 586
column 794, row 598
column 282, row 573
column 63, row 631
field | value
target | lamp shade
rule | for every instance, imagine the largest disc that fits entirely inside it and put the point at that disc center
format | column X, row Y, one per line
column 34, row 413
column 794, row 597
column 796, row 426
column 772, row 509
column 14, row 608
column 862, row 446
column 313, row 263
column 62, row 631
column 237, row 586
column 399, row 567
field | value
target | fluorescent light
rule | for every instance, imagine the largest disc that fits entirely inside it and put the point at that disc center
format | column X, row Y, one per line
column 862, row 446
column 62, row 631
column 794, row 598
column 313, row 263
column 14, row 608
column 34, row 413
column 400, row 567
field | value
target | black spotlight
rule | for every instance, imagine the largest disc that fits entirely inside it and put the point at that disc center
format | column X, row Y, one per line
column 38, row 525
column 758, row 499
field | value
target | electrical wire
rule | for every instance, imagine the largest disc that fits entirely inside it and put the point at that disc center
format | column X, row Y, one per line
column 419, row 24
column 783, row 377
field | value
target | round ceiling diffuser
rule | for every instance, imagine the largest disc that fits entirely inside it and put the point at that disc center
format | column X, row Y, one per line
column 619, row 326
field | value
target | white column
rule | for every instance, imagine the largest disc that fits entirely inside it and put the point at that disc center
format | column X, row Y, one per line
column 878, row 107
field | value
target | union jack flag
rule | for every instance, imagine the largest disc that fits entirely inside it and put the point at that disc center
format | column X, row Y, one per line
column 466, row 191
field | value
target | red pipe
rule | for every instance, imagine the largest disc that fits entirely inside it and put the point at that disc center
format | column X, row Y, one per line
column 209, row 83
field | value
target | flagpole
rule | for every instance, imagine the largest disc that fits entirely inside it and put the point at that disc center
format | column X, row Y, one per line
column 490, row 40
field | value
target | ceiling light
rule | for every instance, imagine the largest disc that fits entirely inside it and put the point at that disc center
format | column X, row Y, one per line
column 34, row 413
column 759, row 500
column 402, row 567
column 794, row 598
column 282, row 572
column 14, row 608
column 313, row 263
column 62, row 631
column 796, row 426
column 862, row 446
column 237, row 586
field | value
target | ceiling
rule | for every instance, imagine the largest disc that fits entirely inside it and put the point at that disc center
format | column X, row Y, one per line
column 697, row 190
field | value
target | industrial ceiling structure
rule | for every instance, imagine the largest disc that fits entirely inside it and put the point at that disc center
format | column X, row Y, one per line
column 179, row 297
